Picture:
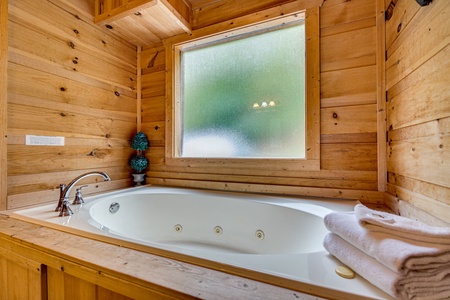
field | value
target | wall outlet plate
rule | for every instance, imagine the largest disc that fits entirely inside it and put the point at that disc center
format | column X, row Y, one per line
column 41, row 140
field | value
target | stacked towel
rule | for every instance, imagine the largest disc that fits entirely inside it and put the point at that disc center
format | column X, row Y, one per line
column 388, row 251
column 377, row 221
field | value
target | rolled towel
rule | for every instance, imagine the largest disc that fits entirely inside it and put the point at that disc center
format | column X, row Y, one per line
column 394, row 284
column 404, row 227
column 394, row 252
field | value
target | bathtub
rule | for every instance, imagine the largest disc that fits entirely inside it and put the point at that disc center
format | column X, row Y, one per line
column 279, row 237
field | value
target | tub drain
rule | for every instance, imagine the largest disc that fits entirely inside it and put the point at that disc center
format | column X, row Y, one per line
column 114, row 207
column 259, row 234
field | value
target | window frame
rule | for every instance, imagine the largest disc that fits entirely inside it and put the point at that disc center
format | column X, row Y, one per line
column 246, row 25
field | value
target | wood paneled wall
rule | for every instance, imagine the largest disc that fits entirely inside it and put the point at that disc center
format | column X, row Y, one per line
column 3, row 103
column 348, row 109
column 66, row 77
column 418, row 107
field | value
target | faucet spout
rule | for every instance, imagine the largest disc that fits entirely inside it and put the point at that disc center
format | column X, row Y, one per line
column 63, row 204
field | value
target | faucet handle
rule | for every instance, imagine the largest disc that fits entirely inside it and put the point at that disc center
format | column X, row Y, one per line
column 79, row 197
column 65, row 209
column 62, row 188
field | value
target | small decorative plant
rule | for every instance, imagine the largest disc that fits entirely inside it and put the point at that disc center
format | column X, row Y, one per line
column 139, row 162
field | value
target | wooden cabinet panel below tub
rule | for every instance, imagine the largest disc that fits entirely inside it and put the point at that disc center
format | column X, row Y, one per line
column 20, row 277
column 34, row 273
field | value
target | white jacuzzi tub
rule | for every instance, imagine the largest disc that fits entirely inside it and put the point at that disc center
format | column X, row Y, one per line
column 278, row 236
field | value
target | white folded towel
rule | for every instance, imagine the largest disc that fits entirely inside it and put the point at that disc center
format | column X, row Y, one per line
column 400, row 226
column 396, row 253
column 394, row 284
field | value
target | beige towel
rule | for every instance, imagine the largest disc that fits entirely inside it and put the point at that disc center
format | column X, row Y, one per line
column 400, row 226
column 394, row 284
column 400, row 255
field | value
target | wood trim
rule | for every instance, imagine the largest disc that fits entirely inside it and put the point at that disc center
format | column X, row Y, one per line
column 381, row 96
column 255, row 164
column 312, row 84
column 248, row 24
column 3, row 100
column 139, row 90
column 169, row 111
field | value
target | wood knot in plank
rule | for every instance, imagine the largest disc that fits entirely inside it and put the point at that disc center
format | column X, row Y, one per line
column 98, row 153
column 390, row 10
column 151, row 63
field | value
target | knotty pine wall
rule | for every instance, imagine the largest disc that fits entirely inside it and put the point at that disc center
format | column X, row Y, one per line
column 348, row 108
column 66, row 77
column 64, row 72
column 418, row 94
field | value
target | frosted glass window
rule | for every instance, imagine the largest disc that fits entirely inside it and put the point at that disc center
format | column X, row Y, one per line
column 245, row 97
